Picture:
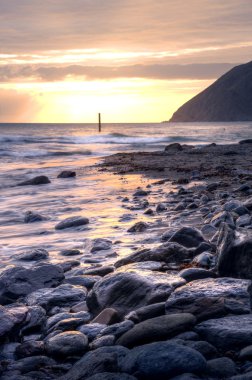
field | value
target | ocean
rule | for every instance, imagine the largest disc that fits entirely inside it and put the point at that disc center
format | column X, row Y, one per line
column 28, row 150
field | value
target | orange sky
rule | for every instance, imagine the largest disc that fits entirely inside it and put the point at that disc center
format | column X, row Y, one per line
column 132, row 60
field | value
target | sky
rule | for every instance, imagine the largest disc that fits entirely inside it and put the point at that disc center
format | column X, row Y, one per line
column 131, row 60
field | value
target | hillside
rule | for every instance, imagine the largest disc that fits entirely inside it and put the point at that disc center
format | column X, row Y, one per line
column 227, row 99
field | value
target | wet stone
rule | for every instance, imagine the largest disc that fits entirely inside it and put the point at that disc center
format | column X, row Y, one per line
column 33, row 255
column 39, row 180
column 71, row 222
column 67, row 174
column 188, row 237
column 31, row 217
column 66, row 344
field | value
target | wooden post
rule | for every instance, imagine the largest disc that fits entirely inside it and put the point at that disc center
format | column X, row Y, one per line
column 99, row 122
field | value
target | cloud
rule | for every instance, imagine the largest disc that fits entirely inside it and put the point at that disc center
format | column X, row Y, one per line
column 16, row 106
column 33, row 26
column 153, row 71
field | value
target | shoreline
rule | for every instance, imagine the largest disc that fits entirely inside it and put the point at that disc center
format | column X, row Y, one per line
column 180, row 297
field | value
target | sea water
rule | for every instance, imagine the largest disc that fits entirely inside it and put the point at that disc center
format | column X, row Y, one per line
column 28, row 150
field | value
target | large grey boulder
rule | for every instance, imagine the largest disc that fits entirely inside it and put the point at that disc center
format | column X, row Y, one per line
column 17, row 281
column 156, row 329
column 127, row 291
column 162, row 361
column 234, row 254
column 63, row 296
column 228, row 333
column 104, row 359
column 189, row 237
column 211, row 297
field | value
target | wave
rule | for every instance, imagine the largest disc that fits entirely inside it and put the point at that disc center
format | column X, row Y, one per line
column 111, row 138
column 43, row 153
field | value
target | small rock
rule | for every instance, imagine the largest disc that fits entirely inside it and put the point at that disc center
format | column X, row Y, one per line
column 35, row 254
column 106, row 340
column 243, row 221
column 70, row 252
column 31, row 217
column 138, row 227
column 107, row 316
column 161, row 207
column 39, row 180
column 191, row 274
column 67, row 174
column 74, row 221
column 188, row 237
column 140, row 193
column 100, row 245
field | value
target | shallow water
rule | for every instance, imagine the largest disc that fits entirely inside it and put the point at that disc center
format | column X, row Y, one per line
column 30, row 150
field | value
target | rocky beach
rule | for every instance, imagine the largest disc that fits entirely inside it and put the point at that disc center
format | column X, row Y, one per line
column 170, row 300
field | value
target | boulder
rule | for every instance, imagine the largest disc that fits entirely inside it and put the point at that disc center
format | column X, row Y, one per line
column 156, row 329
column 243, row 220
column 188, row 237
column 234, row 254
column 162, row 361
column 208, row 298
column 168, row 252
column 104, row 359
column 74, row 221
column 67, row 174
column 66, row 344
column 31, row 217
column 228, row 333
column 39, row 180
column 17, row 281
column 64, row 296
column 127, row 291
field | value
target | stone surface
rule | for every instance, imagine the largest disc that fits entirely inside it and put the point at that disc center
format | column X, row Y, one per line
column 234, row 254
column 228, row 333
column 54, row 321
column 74, row 221
column 188, row 237
column 246, row 353
column 248, row 204
column 104, row 359
column 39, row 180
column 209, row 297
column 64, row 295
column 70, row 252
column 156, row 329
column 66, row 344
column 31, row 217
column 17, row 281
column 91, row 330
column 162, row 360
column 125, row 292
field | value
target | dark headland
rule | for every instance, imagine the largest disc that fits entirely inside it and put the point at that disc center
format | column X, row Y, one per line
column 227, row 99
